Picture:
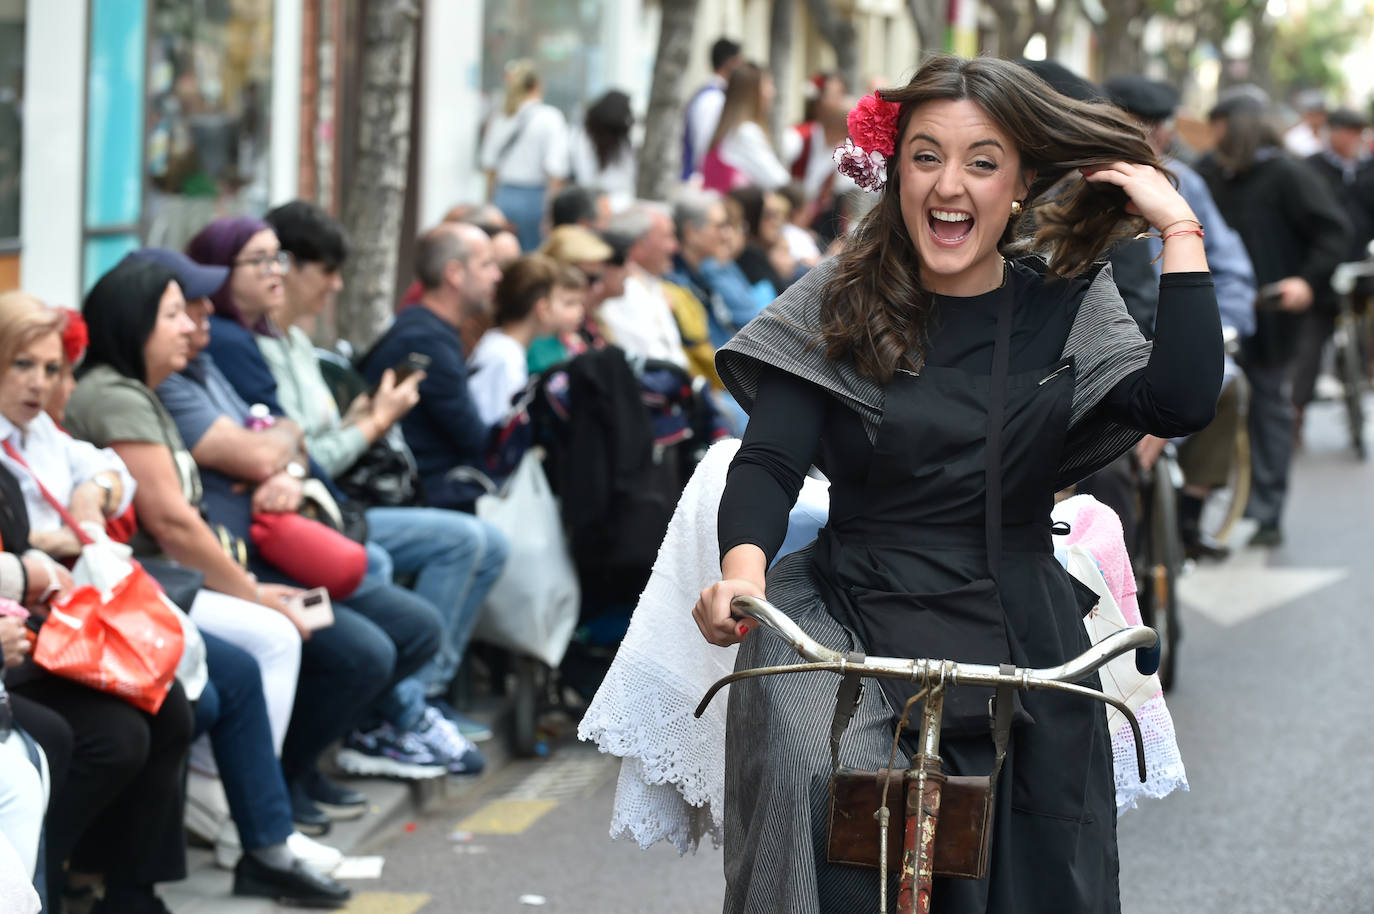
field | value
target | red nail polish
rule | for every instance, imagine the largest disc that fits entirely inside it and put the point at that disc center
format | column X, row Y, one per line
column 743, row 630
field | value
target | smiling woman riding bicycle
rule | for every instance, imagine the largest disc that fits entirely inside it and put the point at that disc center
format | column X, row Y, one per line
column 948, row 384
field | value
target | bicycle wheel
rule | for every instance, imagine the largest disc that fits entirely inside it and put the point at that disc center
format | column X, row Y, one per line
column 1225, row 506
column 1164, row 562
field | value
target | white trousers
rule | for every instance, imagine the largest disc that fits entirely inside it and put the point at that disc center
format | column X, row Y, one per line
column 23, row 799
column 273, row 642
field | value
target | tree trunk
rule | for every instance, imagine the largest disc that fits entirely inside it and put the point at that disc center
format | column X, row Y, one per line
column 780, row 64
column 374, row 203
column 839, row 32
column 1119, row 38
column 1014, row 24
column 1263, row 35
column 931, row 20
column 660, row 161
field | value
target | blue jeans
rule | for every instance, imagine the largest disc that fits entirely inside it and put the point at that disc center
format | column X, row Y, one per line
column 232, row 709
column 411, row 622
column 455, row 559
column 524, row 207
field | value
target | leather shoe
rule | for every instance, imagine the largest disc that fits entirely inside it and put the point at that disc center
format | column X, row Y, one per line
column 299, row 886
column 309, row 818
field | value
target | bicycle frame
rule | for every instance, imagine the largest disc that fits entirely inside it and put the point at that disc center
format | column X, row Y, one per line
column 923, row 781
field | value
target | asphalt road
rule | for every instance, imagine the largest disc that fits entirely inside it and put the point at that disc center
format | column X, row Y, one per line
column 1271, row 708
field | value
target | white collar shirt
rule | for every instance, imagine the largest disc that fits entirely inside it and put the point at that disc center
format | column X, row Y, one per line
column 62, row 462
column 641, row 321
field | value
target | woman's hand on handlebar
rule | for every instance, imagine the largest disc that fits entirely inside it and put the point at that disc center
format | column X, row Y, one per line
column 712, row 612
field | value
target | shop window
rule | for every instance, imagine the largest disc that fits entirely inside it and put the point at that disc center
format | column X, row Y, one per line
column 563, row 39
column 209, row 95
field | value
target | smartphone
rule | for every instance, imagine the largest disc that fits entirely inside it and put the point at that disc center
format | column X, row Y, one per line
column 415, row 361
column 314, row 609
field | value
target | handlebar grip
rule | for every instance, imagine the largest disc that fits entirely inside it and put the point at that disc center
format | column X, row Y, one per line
column 1147, row 659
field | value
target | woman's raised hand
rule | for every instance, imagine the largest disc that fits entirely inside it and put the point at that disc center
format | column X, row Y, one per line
column 712, row 612
column 1151, row 193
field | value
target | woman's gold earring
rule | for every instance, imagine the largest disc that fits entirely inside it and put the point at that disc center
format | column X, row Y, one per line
column 1015, row 208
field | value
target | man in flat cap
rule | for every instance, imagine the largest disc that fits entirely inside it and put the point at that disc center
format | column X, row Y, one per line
column 1344, row 163
column 1205, row 458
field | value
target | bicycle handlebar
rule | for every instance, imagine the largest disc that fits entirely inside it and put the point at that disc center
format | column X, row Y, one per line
column 1343, row 279
column 928, row 672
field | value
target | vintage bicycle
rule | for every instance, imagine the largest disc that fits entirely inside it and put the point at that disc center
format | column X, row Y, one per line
column 923, row 787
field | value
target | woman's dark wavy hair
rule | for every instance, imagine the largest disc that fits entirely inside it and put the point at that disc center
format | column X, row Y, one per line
column 875, row 311
column 121, row 312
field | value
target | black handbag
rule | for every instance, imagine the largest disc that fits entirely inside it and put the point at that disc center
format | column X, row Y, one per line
column 385, row 476
column 181, row 584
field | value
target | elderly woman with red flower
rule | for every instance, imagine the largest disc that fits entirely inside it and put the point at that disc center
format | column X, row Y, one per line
column 956, row 364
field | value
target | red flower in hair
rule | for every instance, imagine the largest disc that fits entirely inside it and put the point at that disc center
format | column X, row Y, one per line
column 873, row 125
column 75, row 336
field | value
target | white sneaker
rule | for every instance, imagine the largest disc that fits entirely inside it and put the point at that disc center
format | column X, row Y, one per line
column 207, row 808
column 320, row 857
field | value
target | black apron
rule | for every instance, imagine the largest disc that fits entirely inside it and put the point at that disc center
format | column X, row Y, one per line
column 945, row 552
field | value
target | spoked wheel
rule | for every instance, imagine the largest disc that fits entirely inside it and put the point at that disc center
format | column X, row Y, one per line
column 1350, row 365
column 1163, row 564
column 1225, row 506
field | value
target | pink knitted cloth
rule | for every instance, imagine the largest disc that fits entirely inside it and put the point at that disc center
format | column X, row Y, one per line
column 1097, row 528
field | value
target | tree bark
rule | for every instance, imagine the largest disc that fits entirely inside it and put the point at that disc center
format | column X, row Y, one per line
column 930, row 19
column 660, row 160
column 374, row 203
column 839, row 32
column 780, row 64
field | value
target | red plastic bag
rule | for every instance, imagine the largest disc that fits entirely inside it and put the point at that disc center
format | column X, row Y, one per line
column 310, row 552
column 128, row 646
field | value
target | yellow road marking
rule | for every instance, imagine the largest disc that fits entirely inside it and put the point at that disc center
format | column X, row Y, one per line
column 386, row 903
column 506, row 817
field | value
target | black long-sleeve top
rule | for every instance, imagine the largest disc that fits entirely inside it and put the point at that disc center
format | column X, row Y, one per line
column 795, row 424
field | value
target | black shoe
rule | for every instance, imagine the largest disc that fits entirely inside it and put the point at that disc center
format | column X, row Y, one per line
column 309, row 818
column 338, row 801
column 299, row 886
column 1267, row 536
column 1201, row 550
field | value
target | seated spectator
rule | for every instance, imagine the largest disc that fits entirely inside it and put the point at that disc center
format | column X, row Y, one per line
column 94, row 486
column 766, row 261
column 140, row 333
column 580, row 206
column 74, row 340
column 570, row 288
column 641, row 320
column 394, row 738
column 802, row 242
column 454, row 557
column 526, row 307
column 654, row 318
column 704, row 266
column 603, row 265
column 454, row 263
column 123, row 803
column 505, row 247
column 24, row 785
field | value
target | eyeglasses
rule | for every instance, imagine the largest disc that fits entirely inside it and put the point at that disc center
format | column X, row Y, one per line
column 263, row 263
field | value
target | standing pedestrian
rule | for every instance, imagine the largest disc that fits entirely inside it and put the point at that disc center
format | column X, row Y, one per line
column 1295, row 234
column 704, row 107
column 741, row 154
column 525, row 153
